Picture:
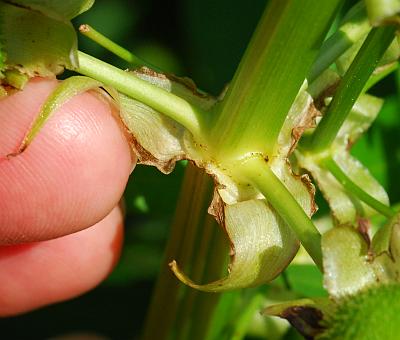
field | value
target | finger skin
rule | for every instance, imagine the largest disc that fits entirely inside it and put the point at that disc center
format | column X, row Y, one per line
column 36, row 274
column 70, row 177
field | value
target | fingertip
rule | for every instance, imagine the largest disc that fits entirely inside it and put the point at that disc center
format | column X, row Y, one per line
column 42, row 273
column 72, row 174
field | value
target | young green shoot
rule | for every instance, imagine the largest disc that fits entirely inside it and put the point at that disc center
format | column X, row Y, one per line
column 114, row 48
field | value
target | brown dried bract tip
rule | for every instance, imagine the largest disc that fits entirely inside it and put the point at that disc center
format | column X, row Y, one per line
column 306, row 319
column 13, row 154
column 84, row 28
column 150, row 72
column 20, row 150
column 363, row 228
column 307, row 122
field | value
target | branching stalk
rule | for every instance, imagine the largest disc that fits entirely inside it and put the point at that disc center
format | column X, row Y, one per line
column 352, row 187
column 114, row 48
column 355, row 26
column 259, row 174
column 193, row 118
column 351, row 86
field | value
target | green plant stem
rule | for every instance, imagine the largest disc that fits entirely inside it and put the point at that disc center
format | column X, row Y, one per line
column 196, row 256
column 276, row 62
column 351, row 86
column 257, row 171
column 205, row 309
column 165, row 296
column 196, row 309
column 172, row 310
column 224, row 313
column 330, row 164
column 246, row 316
column 119, row 51
column 355, row 26
column 285, row 279
column 193, row 118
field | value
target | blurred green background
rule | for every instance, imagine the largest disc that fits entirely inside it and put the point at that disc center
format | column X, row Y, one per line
column 202, row 39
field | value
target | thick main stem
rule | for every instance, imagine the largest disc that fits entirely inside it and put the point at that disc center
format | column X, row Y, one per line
column 274, row 67
column 257, row 171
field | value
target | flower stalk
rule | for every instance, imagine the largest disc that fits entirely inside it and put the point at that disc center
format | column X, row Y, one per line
column 193, row 118
column 351, row 86
column 121, row 52
column 259, row 174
